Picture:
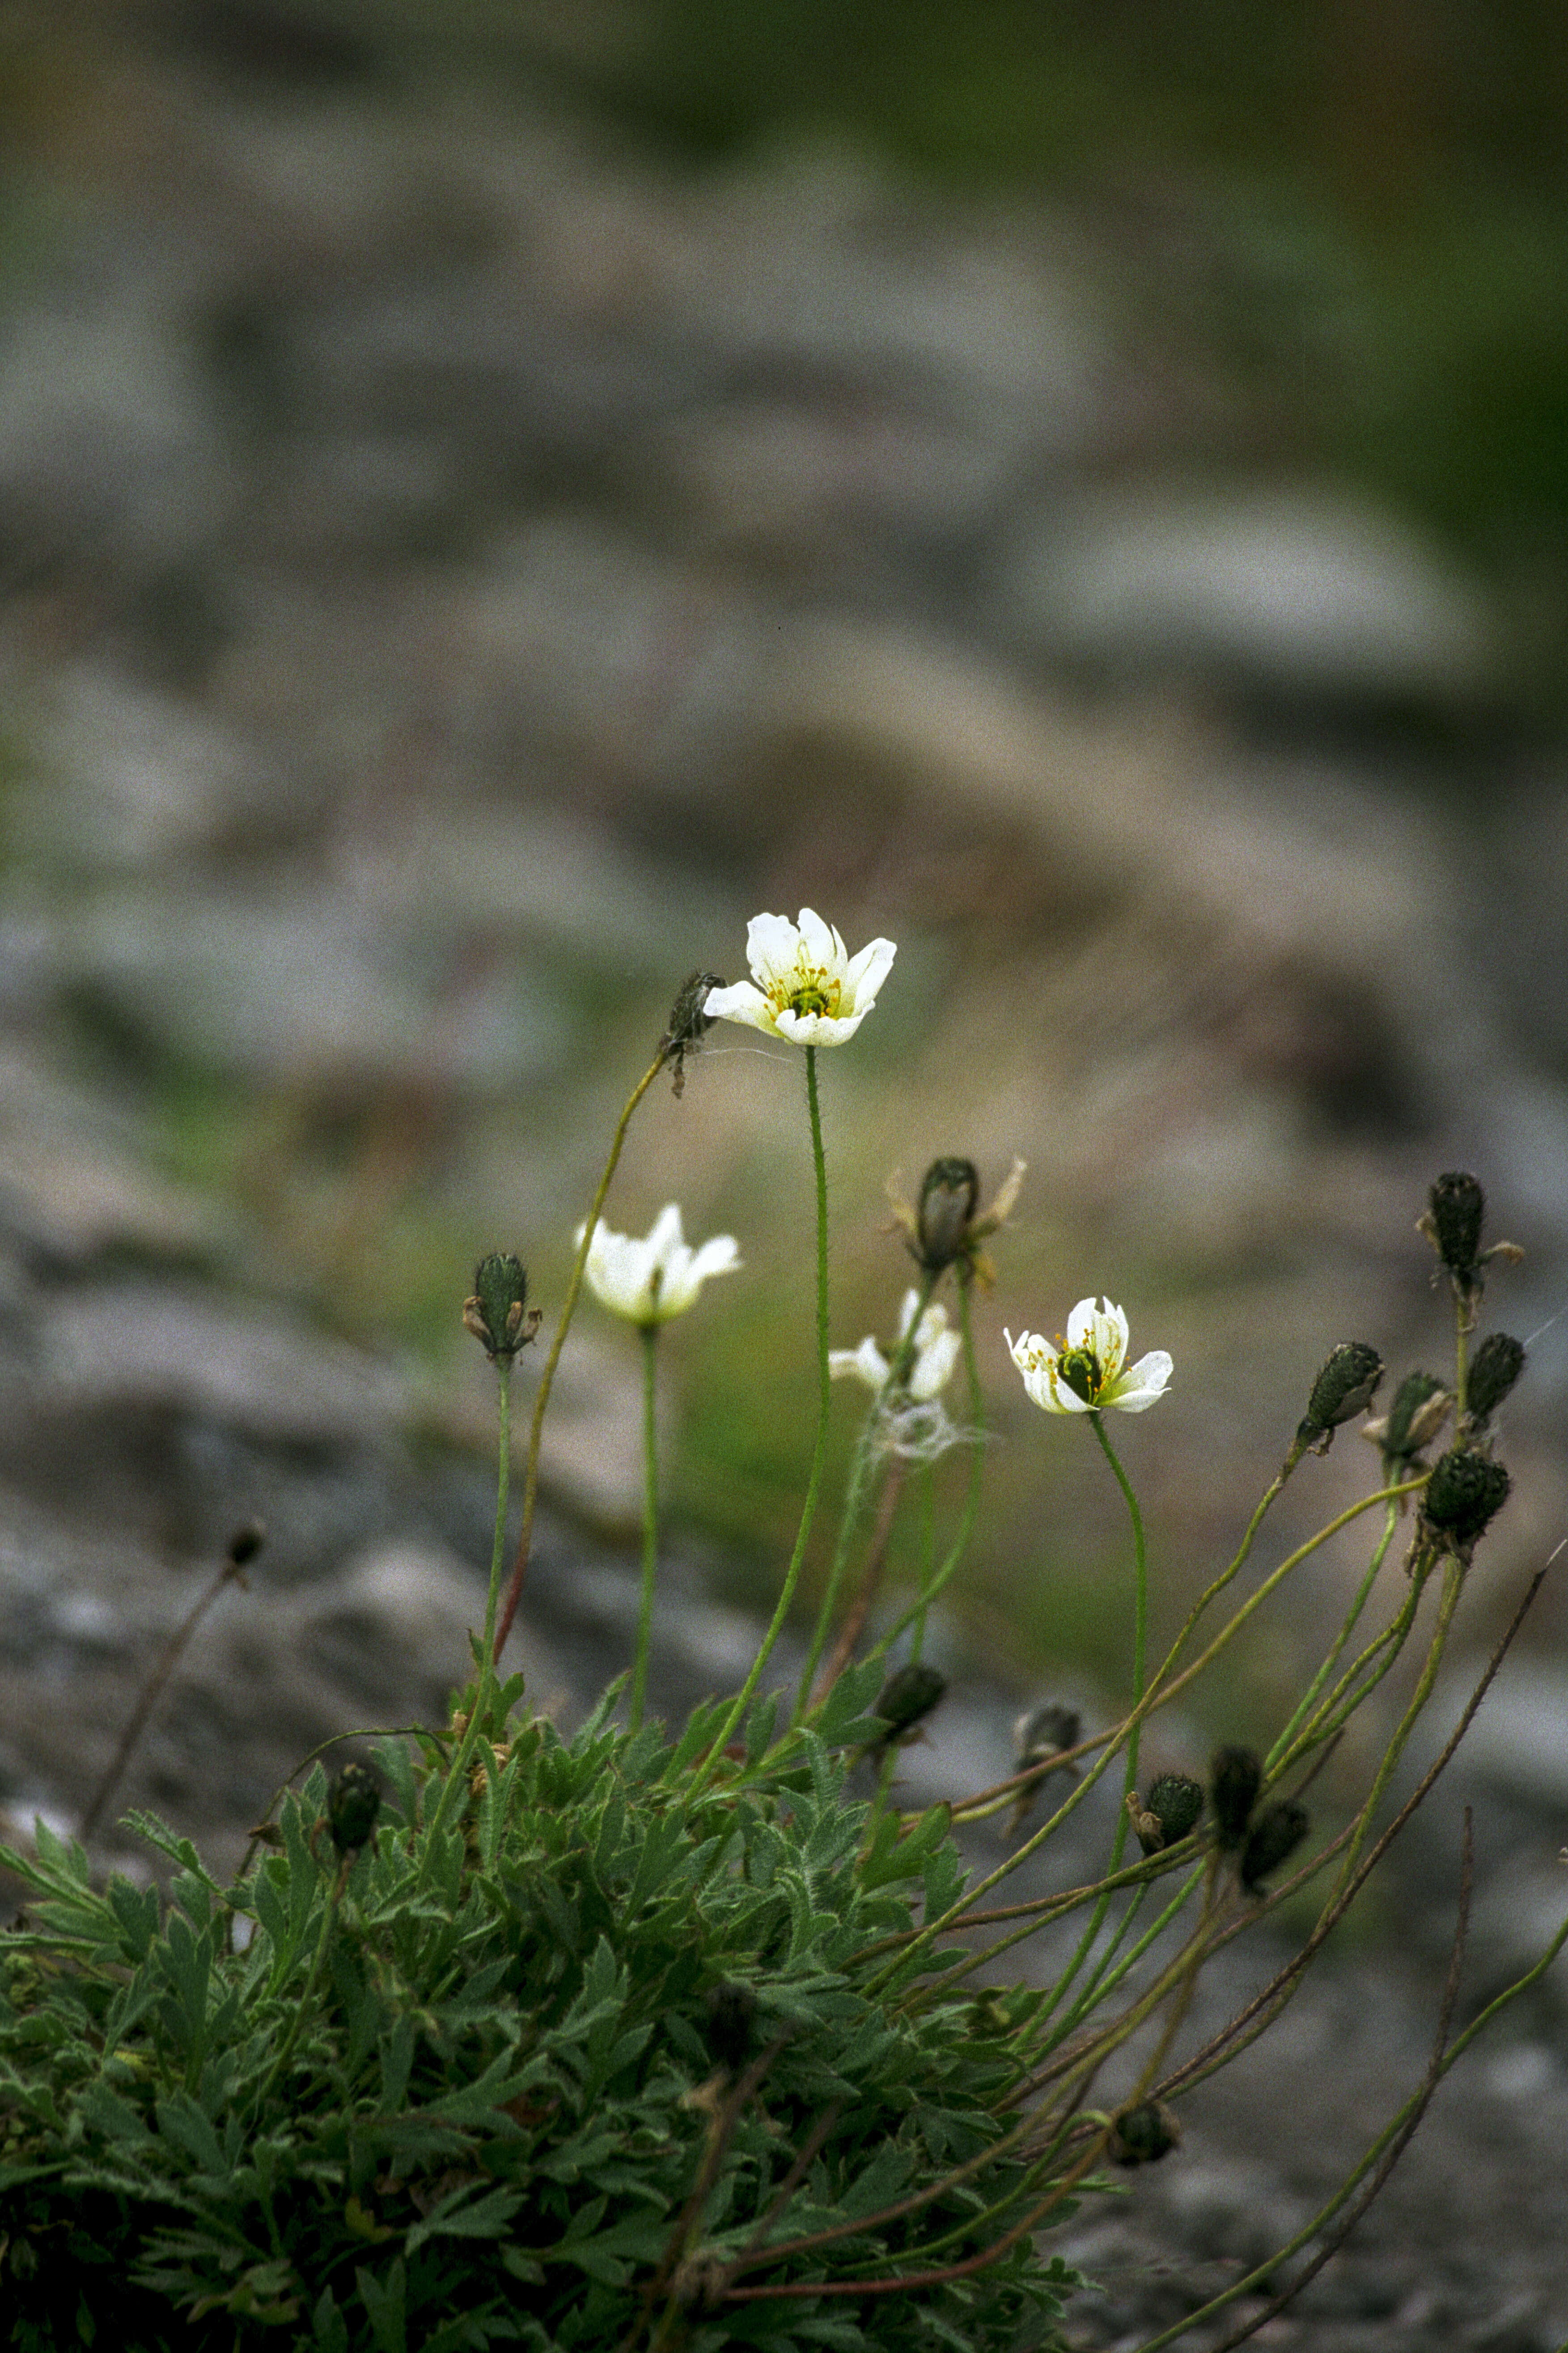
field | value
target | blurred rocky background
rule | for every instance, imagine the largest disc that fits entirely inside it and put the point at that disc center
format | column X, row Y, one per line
column 491, row 497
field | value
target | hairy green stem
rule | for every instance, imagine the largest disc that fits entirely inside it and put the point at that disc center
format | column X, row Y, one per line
column 649, row 1524
column 485, row 1676
column 1363, row 1594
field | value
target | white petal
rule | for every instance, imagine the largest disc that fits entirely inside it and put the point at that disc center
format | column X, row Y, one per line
column 664, row 1235
column 1097, row 1324
column 867, row 1363
column 912, row 1300
column 739, row 1002
column 719, row 1254
column 1142, row 1384
column 772, row 947
column 813, row 1028
column 821, row 945
column 933, row 1366
column 867, row 972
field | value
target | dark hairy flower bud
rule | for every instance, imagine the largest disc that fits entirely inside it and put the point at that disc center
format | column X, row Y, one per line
column 908, row 1697
column 1236, row 1775
column 690, row 1022
column 1345, row 1385
column 1465, row 1493
column 352, row 1807
column 498, row 1314
column 1042, row 1732
column 1143, row 2135
column 1496, row 1365
column 949, row 1192
column 1420, row 1406
column 1278, row 1832
column 728, row 2015
column 1169, row 1812
column 1457, row 1208
column 246, row 1543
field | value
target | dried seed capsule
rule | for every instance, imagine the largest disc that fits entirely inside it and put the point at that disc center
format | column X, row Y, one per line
column 1457, row 1209
column 1344, row 1386
column 1143, row 2135
column 908, row 1697
column 1420, row 1407
column 1043, row 1731
column 1236, row 1775
column 690, row 1022
column 1277, row 1832
column 1496, row 1365
column 1465, row 1493
column 352, row 1807
column 949, row 1192
column 1169, row 1812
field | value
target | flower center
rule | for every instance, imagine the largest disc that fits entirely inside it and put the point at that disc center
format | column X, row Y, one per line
column 1080, row 1369
column 814, row 992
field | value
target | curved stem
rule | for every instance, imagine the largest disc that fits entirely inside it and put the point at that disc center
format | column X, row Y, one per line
column 743, row 1698
column 547, row 1378
column 1314, row 1689
column 485, row 1677
column 649, row 1522
column 1140, row 1626
column 916, row 1612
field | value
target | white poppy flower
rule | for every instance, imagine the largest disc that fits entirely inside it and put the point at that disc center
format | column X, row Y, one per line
column 1088, row 1369
column 808, row 987
column 937, row 1350
column 649, row 1279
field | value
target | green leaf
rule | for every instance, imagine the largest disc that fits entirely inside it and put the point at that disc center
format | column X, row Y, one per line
column 462, row 2216
column 385, row 2305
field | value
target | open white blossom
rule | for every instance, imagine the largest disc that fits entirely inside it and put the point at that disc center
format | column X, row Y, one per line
column 805, row 985
column 937, row 1350
column 649, row 1279
column 1088, row 1370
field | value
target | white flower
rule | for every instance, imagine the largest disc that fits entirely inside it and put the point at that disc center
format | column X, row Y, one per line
column 808, row 987
column 1085, row 1371
column 937, row 1351
column 648, row 1280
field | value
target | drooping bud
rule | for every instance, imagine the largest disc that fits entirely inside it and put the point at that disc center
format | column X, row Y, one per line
column 728, row 2013
column 498, row 1314
column 1236, row 1775
column 949, row 1192
column 1169, row 1812
column 907, row 1698
column 1456, row 1211
column 1345, row 1385
column 352, row 1807
column 1420, row 1408
column 1143, row 2135
column 1278, row 1832
column 246, row 1543
column 689, row 1023
column 1465, row 1493
column 1496, row 1365
column 1042, row 1732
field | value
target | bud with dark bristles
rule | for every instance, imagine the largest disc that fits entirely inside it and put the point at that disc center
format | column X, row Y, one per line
column 1343, row 1386
column 1143, row 2135
column 907, row 1698
column 498, row 1314
column 352, row 1807
column 949, row 1192
column 690, row 1022
column 246, row 1543
column 1496, row 1365
column 1236, row 1775
column 1169, row 1812
column 1043, row 1731
column 1278, row 1832
column 1464, row 1495
column 728, row 2014
column 1456, row 1212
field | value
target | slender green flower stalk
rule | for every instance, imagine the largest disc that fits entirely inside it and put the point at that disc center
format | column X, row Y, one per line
column 649, row 1524
column 934, row 1587
column 743, row 1698
column 564, row 1324
column 1281, row 1748
column 485, row 1674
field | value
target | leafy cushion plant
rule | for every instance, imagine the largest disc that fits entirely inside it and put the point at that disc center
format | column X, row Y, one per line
column 502, row 2083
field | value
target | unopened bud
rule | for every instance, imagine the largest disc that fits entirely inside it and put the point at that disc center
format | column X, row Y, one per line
column 1456, row 1212
column 1420, row 1408
column 1496, row 1365
column 1344, row 1386
column 1042, row 1732
column 246, row 1543
column 1236, row 1775
column 908, row 1697
column 1465, row 1493
column 1278, row 1832
column 730, row 2011
column 690, row 1022
column 498, row 1314
column 1143, row 2135
column 949, row 1192
column 1169, row 1812
column 352, row 1807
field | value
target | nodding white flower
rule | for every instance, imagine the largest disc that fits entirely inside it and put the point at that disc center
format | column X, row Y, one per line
column 648, row 1279
column 937, row 1351
column 1088, row 1370
column 808, row 986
